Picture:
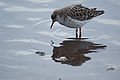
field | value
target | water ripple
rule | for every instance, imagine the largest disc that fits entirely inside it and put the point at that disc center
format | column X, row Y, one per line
column 108, row 21
column 15, row 26
column 24, row 52
column 14, row 67
column 2, row 4
column 102, row 37
column 34, row 19
column 56, row 34
column 41, row 21
column 26, row 9
column 28, row 41
column 116, row 42
column 41, row 1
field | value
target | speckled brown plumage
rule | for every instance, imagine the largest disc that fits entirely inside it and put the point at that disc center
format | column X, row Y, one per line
column 79, row 12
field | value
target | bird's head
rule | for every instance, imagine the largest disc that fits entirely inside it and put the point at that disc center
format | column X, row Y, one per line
column 53, row 17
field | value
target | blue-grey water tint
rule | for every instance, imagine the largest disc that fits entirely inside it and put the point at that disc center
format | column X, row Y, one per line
column 24, row 30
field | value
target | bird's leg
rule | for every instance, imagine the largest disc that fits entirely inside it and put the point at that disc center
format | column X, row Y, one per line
column 76, row 32
column 80, row 33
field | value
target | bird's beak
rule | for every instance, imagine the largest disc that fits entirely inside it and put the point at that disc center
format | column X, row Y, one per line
column 52, row 24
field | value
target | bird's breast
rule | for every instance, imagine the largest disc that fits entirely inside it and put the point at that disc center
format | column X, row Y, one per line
column 71, row 23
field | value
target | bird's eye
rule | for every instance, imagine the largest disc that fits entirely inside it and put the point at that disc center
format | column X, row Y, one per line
column 53, row 16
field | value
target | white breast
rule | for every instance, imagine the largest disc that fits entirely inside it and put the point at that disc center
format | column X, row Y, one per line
column 71, row 23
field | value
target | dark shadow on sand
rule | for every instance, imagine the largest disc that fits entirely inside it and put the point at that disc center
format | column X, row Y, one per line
column 74, row 50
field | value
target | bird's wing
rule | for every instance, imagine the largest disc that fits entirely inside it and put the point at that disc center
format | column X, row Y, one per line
column 80, row 12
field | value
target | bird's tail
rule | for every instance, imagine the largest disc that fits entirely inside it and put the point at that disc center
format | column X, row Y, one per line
column 98, row 12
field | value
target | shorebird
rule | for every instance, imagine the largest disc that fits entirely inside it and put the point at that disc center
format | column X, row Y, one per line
column 75, row 16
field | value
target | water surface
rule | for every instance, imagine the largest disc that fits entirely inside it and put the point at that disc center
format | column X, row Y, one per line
column 24, row 30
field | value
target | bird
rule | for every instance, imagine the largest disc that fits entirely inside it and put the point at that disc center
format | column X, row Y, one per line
column 75, row 16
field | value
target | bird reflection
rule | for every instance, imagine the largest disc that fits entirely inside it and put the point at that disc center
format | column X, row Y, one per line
column 72, row 52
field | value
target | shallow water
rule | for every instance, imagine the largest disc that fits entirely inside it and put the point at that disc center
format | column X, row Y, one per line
column 24, row 30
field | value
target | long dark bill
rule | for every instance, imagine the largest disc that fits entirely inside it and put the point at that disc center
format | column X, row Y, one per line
column 51, row 24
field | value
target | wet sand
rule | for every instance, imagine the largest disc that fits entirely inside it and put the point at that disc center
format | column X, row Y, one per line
column 29, row 50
